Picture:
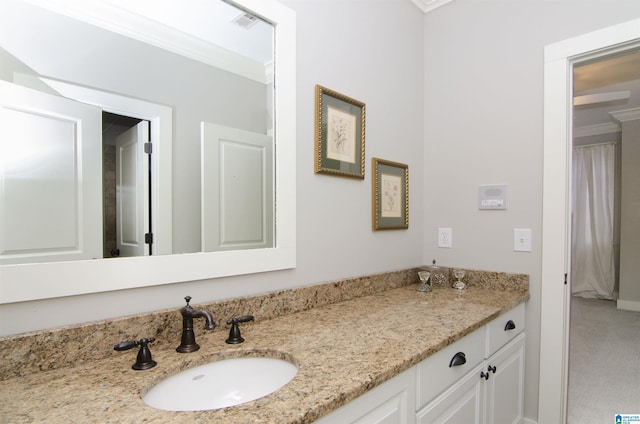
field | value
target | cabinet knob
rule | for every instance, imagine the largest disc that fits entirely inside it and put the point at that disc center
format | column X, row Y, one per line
column 510, row 325
column 458, row 359
column 484, row 375
column 492, row 368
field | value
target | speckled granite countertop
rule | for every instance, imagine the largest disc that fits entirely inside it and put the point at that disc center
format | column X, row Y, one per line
column 341, row 350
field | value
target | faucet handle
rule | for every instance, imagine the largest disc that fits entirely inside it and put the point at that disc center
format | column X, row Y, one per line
column 234, row 333
column 144, row 361
column 188, row 299
column 244, row 318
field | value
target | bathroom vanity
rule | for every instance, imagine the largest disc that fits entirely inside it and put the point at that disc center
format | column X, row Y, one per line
column 487, row 386
column 382, row 356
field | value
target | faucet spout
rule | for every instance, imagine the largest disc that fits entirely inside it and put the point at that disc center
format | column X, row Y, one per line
column 188, row 341
column 208, row 321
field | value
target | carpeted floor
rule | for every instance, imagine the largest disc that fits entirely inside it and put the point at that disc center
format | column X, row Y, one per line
column 604, row 362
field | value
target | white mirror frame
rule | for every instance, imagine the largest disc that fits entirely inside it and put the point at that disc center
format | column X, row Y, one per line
column 25, row 282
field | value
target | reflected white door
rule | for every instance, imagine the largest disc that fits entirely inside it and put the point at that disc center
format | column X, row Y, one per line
column 237, row 189
column 132, row 190
column 50, row 164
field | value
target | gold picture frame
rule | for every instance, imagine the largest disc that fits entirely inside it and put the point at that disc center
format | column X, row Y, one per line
column 390, row 195
column 339, row 134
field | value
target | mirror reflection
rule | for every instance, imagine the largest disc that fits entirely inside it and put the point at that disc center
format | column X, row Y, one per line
column 140, row 133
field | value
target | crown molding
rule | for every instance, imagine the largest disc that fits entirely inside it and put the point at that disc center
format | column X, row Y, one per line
column 428, row 5
column 626, row 114
column 598, row 129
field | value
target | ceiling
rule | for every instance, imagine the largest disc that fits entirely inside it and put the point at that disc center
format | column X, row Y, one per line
column 613, row 73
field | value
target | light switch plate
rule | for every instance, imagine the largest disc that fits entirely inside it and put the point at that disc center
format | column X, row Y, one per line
column 522, row 239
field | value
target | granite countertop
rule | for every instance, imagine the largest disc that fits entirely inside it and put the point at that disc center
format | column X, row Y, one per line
column 341, row 351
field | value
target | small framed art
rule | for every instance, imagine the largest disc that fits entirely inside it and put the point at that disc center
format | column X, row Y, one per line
column 390, row 195
column 339, row 134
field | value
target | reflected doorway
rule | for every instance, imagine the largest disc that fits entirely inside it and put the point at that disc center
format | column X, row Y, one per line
column 126, row 171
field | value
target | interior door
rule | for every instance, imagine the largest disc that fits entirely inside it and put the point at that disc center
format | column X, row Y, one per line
column 237, row 189
column 50, row 164
column 132, row 190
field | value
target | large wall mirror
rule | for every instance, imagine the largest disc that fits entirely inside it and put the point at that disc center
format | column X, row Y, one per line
column 144, row 143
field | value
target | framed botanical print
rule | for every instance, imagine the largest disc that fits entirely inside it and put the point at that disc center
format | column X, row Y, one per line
column 339, row 134
column 390, row 197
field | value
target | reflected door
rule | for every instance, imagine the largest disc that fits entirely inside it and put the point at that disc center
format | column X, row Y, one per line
column 237, row 189
column 132, row 191
column 50, row 164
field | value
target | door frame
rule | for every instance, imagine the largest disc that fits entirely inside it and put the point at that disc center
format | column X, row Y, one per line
column 559, row 59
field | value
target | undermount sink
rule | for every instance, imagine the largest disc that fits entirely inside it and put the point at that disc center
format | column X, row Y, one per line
column 221, row 384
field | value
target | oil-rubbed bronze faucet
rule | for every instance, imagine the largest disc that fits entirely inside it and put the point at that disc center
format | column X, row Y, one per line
column 188, row 341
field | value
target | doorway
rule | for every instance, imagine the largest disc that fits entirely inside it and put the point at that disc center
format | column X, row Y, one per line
column 555, row 307
column 599, row 387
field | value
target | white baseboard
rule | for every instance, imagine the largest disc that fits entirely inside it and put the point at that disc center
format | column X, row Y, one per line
column 528, row 421
column 629, row 305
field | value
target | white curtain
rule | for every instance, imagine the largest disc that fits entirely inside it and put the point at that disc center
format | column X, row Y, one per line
column 592, row 239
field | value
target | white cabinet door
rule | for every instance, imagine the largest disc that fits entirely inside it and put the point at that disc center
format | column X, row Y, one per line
column 393, row 402
column 462, row 403
column 505, row 386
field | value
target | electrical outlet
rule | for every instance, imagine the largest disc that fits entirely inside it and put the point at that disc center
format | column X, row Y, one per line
column 444, row 237
column 522, row 239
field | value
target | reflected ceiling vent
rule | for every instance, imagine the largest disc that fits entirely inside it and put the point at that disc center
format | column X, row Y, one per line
column 245, row 20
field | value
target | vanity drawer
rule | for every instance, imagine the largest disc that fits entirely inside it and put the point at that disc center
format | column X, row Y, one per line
column 504, row 328
column 434, row 373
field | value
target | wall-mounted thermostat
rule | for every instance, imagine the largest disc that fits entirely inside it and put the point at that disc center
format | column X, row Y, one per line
column 492, row 197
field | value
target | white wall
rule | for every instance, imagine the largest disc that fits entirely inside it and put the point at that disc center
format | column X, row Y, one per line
column 484, row 125
column 371, row 51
